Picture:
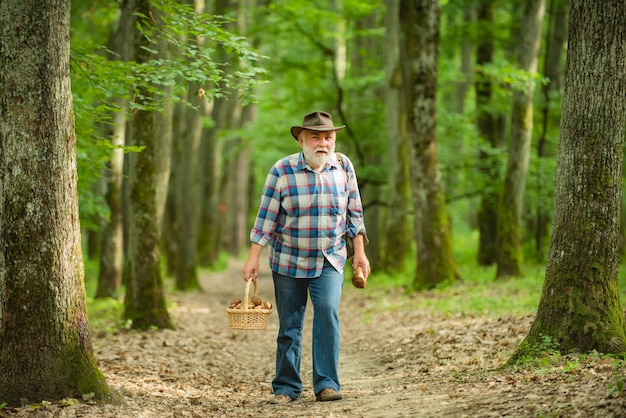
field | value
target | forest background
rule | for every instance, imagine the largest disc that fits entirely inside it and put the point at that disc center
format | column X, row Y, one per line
column 341, row 57
column 452, row 121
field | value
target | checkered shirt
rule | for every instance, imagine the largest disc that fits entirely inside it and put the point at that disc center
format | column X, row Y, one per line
column 302, row 215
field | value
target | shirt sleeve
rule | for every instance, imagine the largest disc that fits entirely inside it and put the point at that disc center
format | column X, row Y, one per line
column 356, row 223
column 269, row 210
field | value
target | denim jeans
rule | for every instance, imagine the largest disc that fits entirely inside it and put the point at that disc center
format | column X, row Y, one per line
column 291, row 300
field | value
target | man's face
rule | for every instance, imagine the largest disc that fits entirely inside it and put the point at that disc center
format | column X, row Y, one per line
column 317, row 147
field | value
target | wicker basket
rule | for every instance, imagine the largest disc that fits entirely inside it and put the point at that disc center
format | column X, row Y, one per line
column 248, row 318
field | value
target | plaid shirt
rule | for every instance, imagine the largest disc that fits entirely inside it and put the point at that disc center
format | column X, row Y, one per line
column 303, row 215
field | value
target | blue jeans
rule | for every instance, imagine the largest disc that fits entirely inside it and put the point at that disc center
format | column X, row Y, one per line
column 291, row 300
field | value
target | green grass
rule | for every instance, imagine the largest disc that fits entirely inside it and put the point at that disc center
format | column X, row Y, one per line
column 105, row 315
column 478, row 293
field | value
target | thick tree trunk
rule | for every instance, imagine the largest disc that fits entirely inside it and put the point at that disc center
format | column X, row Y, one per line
column 148, row 179
column 420, row 45
column 45, row 346
column 510, row 257
column 580, row 306
column 487, row 130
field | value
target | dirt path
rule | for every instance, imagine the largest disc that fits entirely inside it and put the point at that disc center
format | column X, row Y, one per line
column 393, row 364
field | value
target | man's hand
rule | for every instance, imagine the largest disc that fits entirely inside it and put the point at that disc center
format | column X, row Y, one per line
column 360, row 259
column 251, row 268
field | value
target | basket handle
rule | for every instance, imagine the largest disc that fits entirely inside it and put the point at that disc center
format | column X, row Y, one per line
column 245, row 297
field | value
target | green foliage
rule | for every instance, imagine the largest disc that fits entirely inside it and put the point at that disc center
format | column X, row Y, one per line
column 39, row 405
column 67, row 402
column 100, row 79
column 542, row 355
column 476, row 294
column 105, row 315
column 616, row 388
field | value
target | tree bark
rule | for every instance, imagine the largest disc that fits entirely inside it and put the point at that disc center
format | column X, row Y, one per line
column 148, row 178
column 510, row 256
column 213, row 207
column 396, row 244
column 190, row 188
column 45, row 345
column 489, row 141
column 171, row 222
column 419, row 23
column 580, row 306
column 556, row 39
column 112, row 236
column 188, row 194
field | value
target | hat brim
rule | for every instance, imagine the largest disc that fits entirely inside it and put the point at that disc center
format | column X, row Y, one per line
column 295, row 130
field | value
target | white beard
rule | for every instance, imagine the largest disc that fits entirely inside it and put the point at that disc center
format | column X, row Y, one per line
column 316, row 160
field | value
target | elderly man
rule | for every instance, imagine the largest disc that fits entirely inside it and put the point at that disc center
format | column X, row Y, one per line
column 310, row 200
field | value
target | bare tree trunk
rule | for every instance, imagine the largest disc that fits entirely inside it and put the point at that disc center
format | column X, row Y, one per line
column 580, row 304
column 213, row 209
column 487, row 130
column 112, row 246
column 241, row 198
column 148, row 179
column 420, row 46
column 188, row 191
column 396, row 240
column 236, row 182
column 111, row 256
column 171, row 222
column 45, row 346
column 556, row 39
column 466, row 60
column 510, row 257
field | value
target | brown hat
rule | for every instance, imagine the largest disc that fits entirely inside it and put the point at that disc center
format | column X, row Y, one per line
column 316, row 121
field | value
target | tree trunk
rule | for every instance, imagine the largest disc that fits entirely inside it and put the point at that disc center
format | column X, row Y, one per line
column 396, row 244
column 419, row 23
column 489, row 142
column 45, row 345
column 466, row 60
column 111, row 256
column 148, row 179
column 189, row 194
column 241, row 199
column 510, row 257
column 213, row 209
column 171, row 222
column 363, row 48
column 556, row 39
column 580, row 306
column 112, row 246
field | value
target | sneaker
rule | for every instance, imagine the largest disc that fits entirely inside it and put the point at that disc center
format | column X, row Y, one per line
column 327, row 394
column 281, row 399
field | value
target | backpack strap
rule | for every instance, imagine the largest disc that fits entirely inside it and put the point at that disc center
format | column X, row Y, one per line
column 342, row 164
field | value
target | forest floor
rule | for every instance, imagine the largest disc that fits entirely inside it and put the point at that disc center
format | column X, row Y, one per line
column 394, row 363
